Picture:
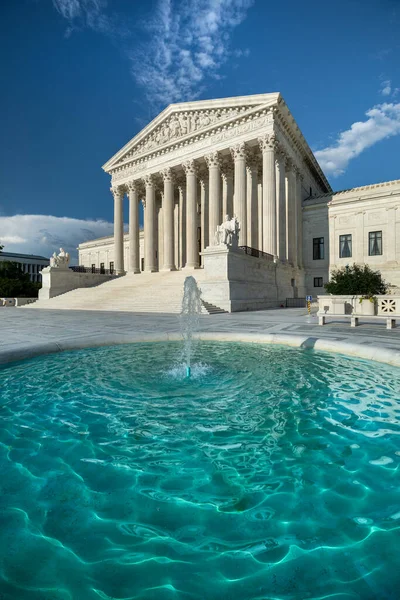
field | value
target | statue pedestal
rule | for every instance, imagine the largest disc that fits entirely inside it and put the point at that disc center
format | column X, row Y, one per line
column 236, row 281
column 56, row 281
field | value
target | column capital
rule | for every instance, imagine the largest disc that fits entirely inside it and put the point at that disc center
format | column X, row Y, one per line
column 296, row 170
column 238, row 151
column 149, row 180
column 289, row 164
column 268, row 142
column 117, row 191
column 168, row 175
column 252, row 161
column 281, row 155
column 133, row 186
column 213, row 159
column 190, row 167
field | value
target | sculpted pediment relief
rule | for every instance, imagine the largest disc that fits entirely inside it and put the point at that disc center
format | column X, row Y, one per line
column 180, row 124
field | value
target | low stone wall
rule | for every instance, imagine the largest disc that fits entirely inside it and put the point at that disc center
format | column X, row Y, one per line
column 56, row 281
column 236, row 281
column 351, row 305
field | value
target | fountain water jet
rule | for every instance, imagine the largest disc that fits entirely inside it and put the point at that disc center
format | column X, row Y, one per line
column 190, row 317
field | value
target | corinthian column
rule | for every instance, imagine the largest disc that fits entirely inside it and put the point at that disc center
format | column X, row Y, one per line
column 214, row 168
column 268, row 145
column 150, row 263
column 118, row 193
column 239, row 202
column 204, row 204
column 134, row 248
column 299, row 219
column 290, row 181
column 168, row 216
column 281, row 205
column 227, row 188
column 192, row 255
column 252, row 201
column 181, row 183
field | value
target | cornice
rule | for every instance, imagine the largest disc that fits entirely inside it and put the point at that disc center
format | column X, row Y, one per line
column 380, row 189
column 373, row 186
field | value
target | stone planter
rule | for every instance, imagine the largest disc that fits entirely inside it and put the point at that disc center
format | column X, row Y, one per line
column 366, row 308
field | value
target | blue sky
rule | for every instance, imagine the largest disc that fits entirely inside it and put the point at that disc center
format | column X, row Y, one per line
column 82, row 77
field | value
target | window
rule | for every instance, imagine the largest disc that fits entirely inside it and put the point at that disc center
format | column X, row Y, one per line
column 142, row 264
column 318, row 248
column 111, row 268
column 93, row 268
column 345, row 249
column 102, row 268
column 318, row 282
column 375, row 243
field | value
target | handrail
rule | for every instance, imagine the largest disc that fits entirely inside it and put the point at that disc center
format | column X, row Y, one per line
column 257, row 253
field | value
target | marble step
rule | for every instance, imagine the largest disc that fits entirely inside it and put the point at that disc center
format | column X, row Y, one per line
column 147, row 292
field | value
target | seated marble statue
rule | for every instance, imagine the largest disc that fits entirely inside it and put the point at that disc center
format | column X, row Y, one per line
column 61, row 260
column 228, row 232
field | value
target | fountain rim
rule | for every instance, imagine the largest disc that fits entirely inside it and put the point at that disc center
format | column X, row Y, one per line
column 373, row 353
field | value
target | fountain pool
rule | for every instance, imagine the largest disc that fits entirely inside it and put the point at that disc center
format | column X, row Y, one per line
column 271, row 473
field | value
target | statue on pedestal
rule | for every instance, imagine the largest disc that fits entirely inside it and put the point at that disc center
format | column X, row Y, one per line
column 60, row 260
column 228, row 232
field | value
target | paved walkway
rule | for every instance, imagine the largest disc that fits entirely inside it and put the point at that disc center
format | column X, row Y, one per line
column 26, row 332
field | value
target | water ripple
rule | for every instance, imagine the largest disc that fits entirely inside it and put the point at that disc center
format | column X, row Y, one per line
column 271, row 473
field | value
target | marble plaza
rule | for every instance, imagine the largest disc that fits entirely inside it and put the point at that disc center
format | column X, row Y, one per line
column 241, row 162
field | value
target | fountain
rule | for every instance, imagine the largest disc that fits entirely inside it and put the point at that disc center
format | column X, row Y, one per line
column 189, row 317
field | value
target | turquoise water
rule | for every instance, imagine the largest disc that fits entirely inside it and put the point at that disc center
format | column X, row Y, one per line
column 272, row 474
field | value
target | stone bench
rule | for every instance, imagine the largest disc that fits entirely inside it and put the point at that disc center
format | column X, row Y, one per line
column 390, row 319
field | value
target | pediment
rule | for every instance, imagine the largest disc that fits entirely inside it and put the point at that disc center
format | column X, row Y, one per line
column 181, row 121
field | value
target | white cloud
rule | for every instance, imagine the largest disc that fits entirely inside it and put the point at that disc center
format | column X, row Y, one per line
column 43, row 234
column 187, row 41
column 383, row 122
column 386, row 88
column 86, row 13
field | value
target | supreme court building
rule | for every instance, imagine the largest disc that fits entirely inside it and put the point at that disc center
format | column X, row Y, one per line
column 246, row 157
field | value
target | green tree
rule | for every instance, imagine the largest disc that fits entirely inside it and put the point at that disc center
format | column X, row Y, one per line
column 14, row 283
column 356, row 280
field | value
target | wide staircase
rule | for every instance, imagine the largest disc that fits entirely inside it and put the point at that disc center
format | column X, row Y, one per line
column 148, row 292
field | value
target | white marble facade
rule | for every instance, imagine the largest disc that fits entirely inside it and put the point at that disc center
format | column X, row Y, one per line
column 360, row 225
column 199, row 161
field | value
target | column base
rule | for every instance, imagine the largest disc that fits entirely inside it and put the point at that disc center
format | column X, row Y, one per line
column 190, row 267
column 135, row 272
column 169, row 268
column 151, row 270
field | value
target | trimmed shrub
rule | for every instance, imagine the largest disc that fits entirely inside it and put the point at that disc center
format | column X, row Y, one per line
column 356, row 280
